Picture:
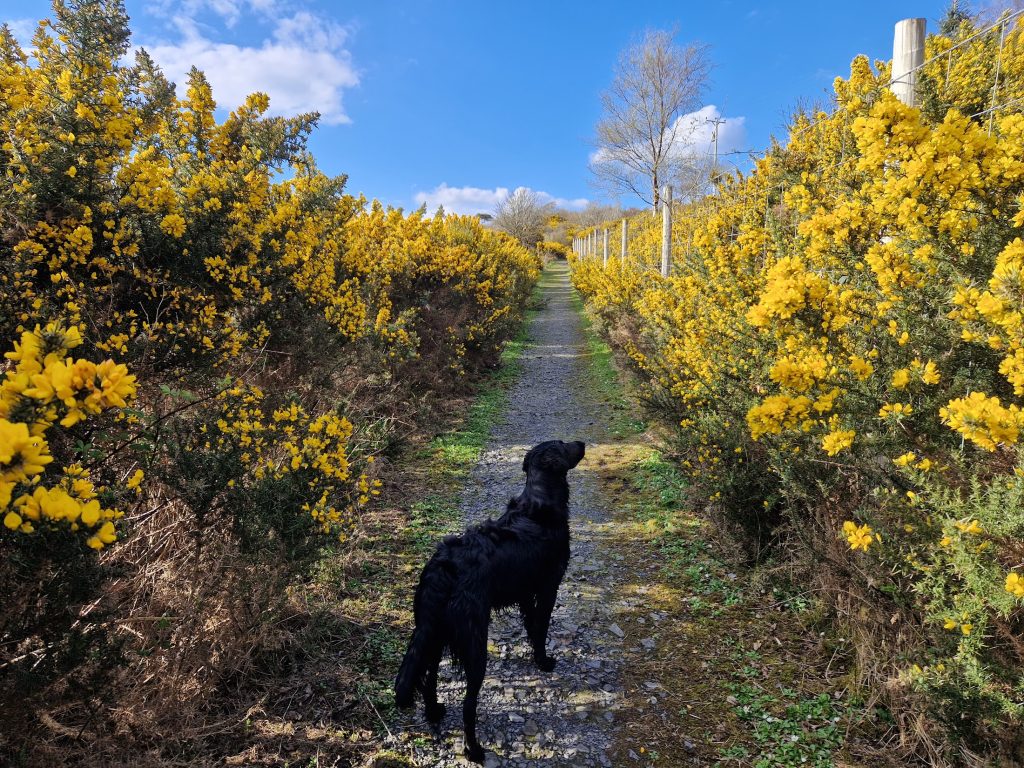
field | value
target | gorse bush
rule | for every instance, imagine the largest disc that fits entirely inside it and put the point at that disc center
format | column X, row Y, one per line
column 840, row 346
column 43, row 387
column 209, row 343
column 554, row 249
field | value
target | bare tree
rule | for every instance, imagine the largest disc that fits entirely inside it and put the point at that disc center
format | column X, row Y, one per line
column 692, row 174
column 655, row 84
column 593, row 214
column 523, row 215
column 989, row 12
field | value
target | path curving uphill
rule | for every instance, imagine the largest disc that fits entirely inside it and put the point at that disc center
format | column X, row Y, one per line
column 528, row 717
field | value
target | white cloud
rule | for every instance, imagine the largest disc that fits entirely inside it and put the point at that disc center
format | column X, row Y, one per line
column 573, row 204
column 303, row 66
column 470, row 200
column 229, row 11
column 22, row 29
column 310, row 31
column 462, row 199
column 695, row 135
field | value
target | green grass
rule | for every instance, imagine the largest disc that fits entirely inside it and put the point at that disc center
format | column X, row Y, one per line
column 451, row 455
column 788, row 729
column 461, row 448
column 604, row 378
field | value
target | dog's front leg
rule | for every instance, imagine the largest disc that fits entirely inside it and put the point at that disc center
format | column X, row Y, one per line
column 538, row 627
column 433, row 710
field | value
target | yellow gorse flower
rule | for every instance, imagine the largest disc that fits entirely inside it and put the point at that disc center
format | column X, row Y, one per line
column 895, row 410
column 906, row 459
column 972, row 527
column 837, row 441
column 1015, row 584
column 983, row 420
column 22, row 454
column 859, row 536
column 135, row 481
column 46, row 388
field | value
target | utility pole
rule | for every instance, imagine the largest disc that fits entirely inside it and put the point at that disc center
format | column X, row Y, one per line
column 716, row 121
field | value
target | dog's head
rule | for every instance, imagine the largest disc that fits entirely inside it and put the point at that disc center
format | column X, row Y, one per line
column 553, row 457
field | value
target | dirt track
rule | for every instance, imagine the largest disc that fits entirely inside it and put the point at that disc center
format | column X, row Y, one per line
column 527, row 717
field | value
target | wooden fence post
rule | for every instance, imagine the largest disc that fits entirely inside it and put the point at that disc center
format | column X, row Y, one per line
column 666, row 230
column 907, row 58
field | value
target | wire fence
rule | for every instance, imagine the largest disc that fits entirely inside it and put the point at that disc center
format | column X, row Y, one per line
column 973, row 50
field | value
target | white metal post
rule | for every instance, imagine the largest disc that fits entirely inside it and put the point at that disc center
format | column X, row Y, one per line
column 606, row 248
column 623, row 256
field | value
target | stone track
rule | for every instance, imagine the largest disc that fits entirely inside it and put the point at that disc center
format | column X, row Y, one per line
column 527, row 717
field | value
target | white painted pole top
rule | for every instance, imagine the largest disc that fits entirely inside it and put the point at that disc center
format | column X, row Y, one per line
column 907, row 58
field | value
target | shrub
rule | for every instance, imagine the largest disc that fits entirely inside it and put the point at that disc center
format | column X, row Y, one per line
column 213, row 344
column 839, row 345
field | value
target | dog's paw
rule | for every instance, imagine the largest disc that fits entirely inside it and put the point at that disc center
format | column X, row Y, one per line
column 435, row 714
column 475, row 753
column 546, row 663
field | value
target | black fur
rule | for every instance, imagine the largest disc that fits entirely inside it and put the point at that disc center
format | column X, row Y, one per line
column 518, row 559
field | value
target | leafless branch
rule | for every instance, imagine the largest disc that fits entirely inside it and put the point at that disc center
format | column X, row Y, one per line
column 638, row 138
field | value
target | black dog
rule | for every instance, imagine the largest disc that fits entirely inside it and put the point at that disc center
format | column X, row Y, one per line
column 518, row 559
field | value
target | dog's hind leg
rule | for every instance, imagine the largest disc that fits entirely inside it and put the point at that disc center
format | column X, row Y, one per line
column 474, row 662
column 528, row 610
column 537, row 628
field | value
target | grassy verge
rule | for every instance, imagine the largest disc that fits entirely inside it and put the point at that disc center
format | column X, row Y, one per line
column 742, row 673
column 424, row 505
column 450, row 455
column 609, row 388
column 738, row 673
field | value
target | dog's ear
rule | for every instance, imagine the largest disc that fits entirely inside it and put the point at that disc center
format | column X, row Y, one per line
column 543, row 456
column 527, row 457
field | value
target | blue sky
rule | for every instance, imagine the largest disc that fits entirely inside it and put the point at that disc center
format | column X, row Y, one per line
column 455, row 102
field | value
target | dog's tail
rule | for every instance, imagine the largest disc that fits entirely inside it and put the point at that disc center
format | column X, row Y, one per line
column 410, row 672
column 428, row 639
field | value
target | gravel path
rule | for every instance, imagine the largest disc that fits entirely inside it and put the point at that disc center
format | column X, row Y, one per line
column 527, row 717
